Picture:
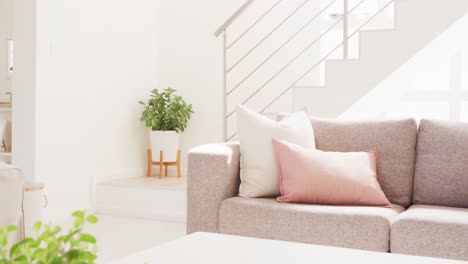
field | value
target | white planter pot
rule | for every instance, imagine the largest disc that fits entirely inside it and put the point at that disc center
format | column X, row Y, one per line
column 168, row 142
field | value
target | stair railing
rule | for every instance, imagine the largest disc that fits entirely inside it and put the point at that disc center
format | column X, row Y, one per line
column 231, row 19
column 222, row 30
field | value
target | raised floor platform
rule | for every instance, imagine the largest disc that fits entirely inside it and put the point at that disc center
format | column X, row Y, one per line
column 171, row 182
column 143, row 197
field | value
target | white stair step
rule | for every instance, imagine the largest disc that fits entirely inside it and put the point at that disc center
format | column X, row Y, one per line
column 313, row 99
column 370, row 46
column 339, row 69
column 419, row 12
column 417, row 23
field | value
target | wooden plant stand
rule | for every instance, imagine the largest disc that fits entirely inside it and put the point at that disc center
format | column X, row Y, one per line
column 162, row 164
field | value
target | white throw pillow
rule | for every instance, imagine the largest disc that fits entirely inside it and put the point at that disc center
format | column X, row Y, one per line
column 258, row 167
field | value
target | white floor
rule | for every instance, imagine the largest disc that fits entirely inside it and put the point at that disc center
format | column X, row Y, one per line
column 122, row 236
column 138, row 213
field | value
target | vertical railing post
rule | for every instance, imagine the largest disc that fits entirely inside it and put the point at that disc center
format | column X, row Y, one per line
column 225, row 91
column 345, row 29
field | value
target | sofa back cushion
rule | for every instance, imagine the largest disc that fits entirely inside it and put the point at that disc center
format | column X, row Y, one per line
column 441, row 176
column 258, row 169
column 394, row 142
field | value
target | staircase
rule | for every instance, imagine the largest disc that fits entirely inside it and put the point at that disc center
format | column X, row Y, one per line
column 347, row 78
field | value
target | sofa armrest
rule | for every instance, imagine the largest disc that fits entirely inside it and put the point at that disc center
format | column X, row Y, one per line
column 213, row 176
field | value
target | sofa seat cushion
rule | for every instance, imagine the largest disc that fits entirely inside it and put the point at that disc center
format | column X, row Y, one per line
column 357, row 227
column 432, row 231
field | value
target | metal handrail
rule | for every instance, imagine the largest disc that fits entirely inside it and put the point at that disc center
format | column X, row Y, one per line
column 295, row 58
column 254, row 24
column 232, row 136
column 325, row 57
column 267, row 36
column 281, row 47
column 233, row 17
column 242, row 9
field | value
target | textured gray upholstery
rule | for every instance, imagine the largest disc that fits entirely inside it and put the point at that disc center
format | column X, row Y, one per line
column 394, row 142
column 213, row 176
column 432, row 231
column 358, row 227
column 441, row 176
column 441, row 179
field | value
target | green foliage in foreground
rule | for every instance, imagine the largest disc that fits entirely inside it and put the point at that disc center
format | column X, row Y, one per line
column 52, row 245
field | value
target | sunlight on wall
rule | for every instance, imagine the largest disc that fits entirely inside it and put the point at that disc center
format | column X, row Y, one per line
column 432, row 84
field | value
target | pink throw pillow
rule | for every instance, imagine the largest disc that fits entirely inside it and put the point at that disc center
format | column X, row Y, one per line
column 313, row 176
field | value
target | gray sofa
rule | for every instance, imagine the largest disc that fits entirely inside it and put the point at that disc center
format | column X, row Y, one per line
column 423, row 171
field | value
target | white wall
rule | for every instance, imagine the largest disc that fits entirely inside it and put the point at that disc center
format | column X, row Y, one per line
column 78, row 84
column 432, row 84
column 96, row 60
column 6, row 29
column 192, row 58
column 24, row 87
column 191, row 62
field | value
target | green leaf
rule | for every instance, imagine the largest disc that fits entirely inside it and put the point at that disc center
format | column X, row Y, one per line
column 74, row 254
column 87, row 238
column 37, row 226
column 166, row 111
column 78, row 222
column 33, row 244
column 78, row 214
column 56, row 230
column 21, row 259
column 16, row 247
column 3, row 240
column 11, row 228
column 69, row 237
column 59, row 260
column 40, row 253
column 51, row 246
column 44, row 235
column 88, row 256
column 92, row 219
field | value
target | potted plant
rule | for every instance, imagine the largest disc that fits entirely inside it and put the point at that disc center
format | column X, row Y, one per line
column 166, row 114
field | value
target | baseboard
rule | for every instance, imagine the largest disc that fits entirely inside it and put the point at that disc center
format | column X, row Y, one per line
column 134, row 172
column 142, row 213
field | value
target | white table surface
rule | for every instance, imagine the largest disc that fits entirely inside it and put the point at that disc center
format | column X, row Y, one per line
column 209, row 248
